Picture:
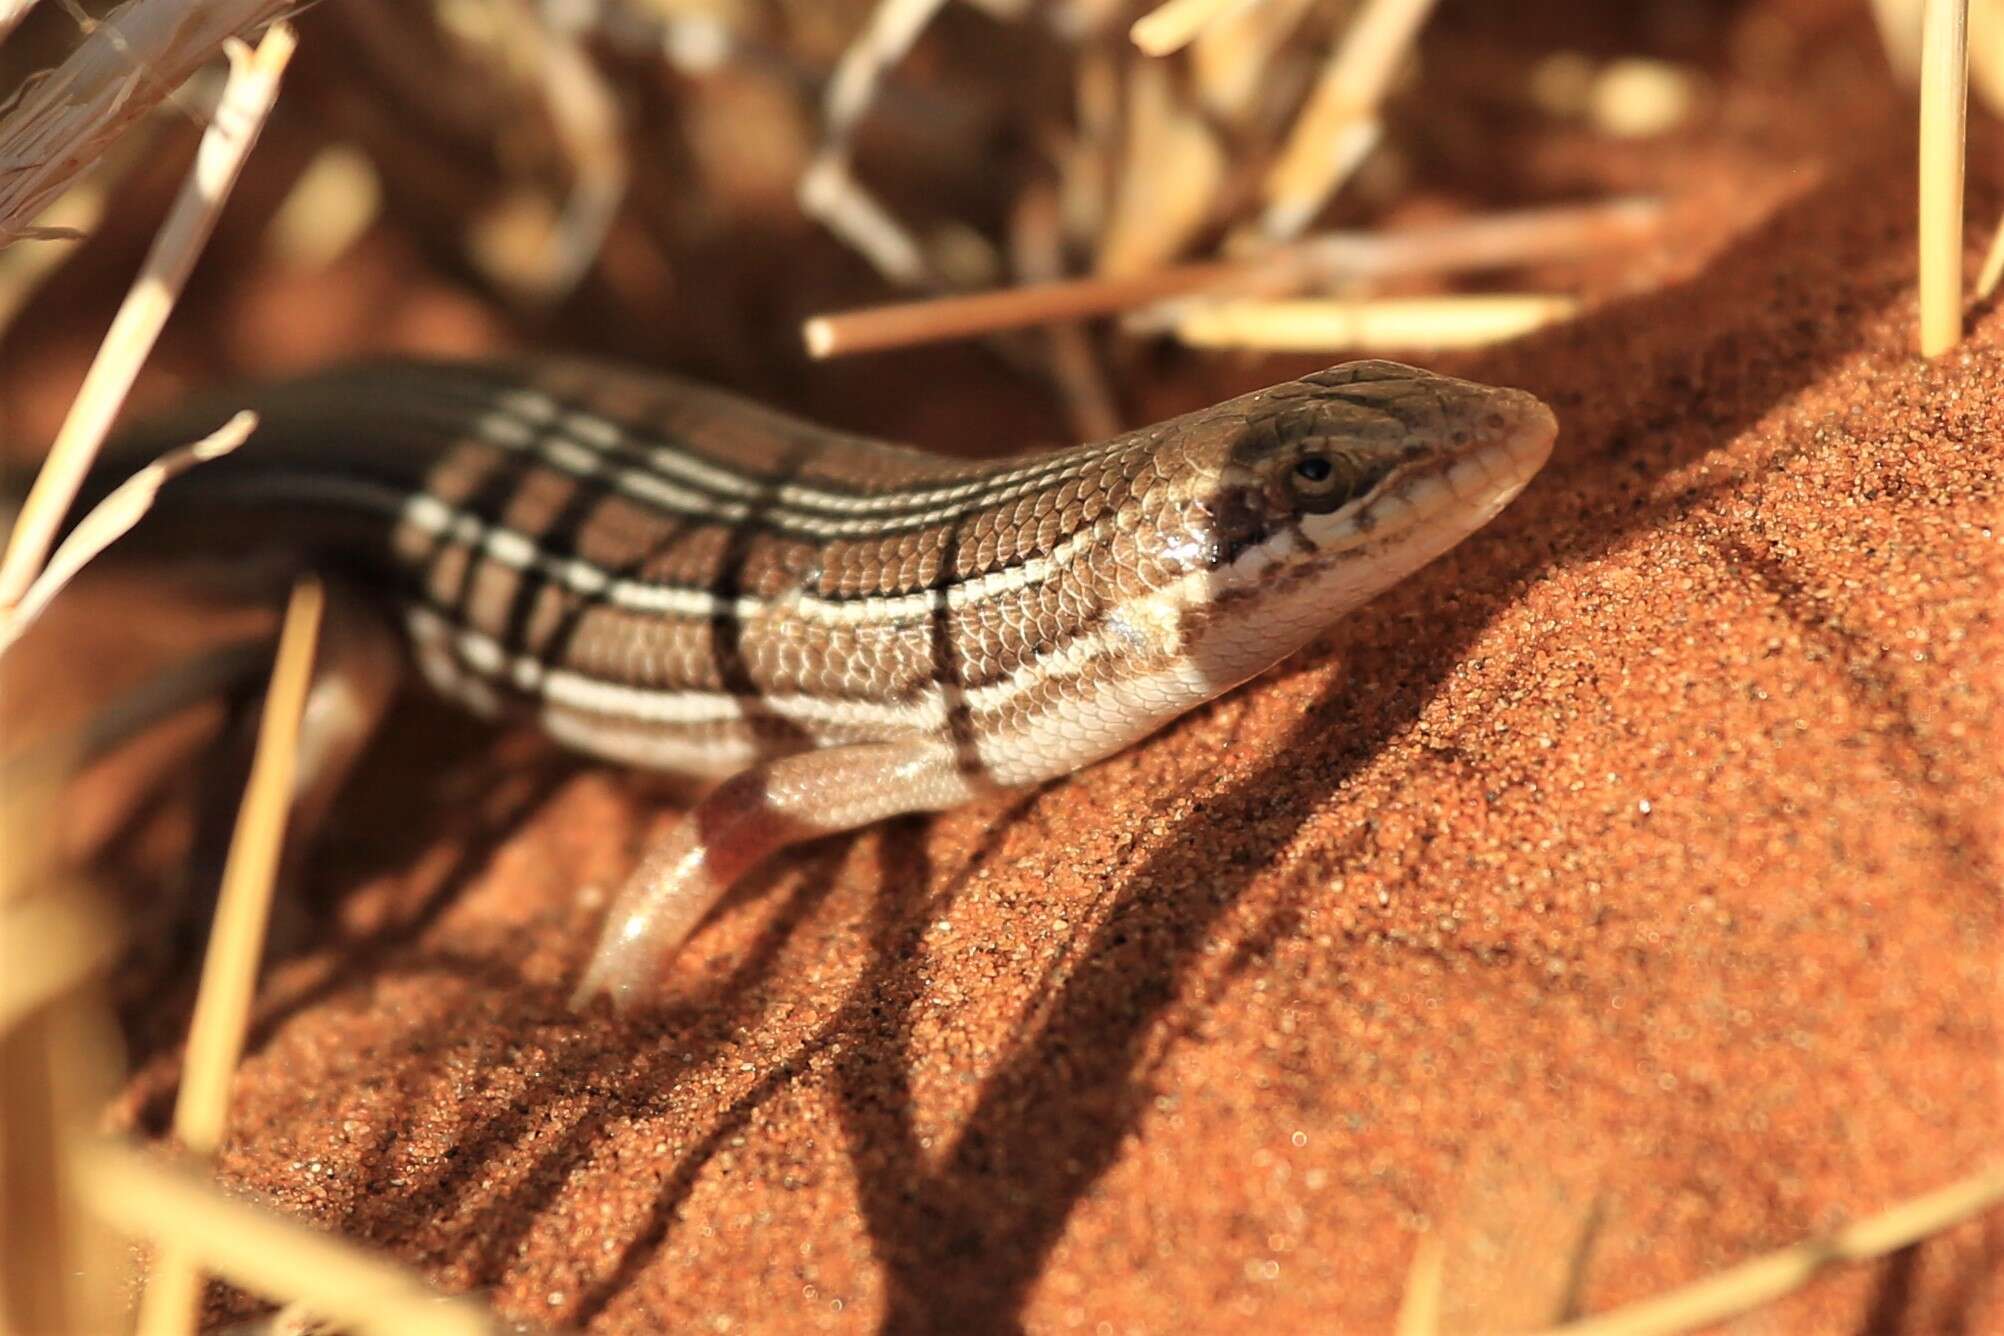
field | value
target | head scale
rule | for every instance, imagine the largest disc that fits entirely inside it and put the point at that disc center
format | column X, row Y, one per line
column 1310, row 497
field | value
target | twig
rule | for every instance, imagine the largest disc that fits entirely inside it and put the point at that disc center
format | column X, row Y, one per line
column 907, row 323
column 111, row 519
column 1384, row 324
column 247, row 98
column 263, row 1251
column 236, row 945
column 1944, row 109
column 1765, row 1279
column 1174, row 24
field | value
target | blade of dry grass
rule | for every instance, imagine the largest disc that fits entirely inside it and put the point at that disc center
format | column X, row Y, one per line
column 61, row 121
column 1993, row 266
column 1173, row 25
column 1340, row 122
column 1900, row 33
column 1751, row 1285
column 111, row 519
column 1233, row 61
column 50, row 944
column 1384, row 324
column 11, row 14
column 828, row 191
column 263, row 1251
column 236, row 945
column 1419, row 1306
column 246, row 100
column 59, row 1271
column 1944, row 110
column 1171, row 169
column 59, row 1061
column 22, row 268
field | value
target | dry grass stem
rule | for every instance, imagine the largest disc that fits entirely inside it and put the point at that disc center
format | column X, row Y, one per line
column 1487, row 242
column 1765, row 1279
column 11, row 14
column 111, row 519
column 906, row 323
column 334, row 202
column 1171, row 26
column 1036, row 248
column 828, row 191
column 829, row 194
column 50, row 944
column 59, row 1064
column 246, row 100
column 1993, row 266
column 1986, row 53
column 1231, row 63
column 1339, row 125
column 1419, row 1306
column 1944, row 110
column 1383, row 325
column 22, row 268
column 236, row 945
column 61, row 121
column 60, row 1059
column 542, row 262
column 1900, row 33
column 263, row 1251
column 1171, row 172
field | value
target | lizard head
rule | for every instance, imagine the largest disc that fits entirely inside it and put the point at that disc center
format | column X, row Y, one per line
column 1308, row 498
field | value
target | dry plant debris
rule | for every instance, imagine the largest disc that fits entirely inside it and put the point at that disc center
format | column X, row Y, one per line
column 1279, row 117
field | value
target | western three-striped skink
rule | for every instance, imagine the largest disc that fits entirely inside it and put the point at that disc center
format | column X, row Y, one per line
column 839, row 629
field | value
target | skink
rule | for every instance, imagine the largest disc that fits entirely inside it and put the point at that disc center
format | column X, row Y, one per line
column 839, row 629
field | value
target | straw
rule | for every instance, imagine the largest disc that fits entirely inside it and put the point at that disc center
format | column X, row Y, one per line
column 263, row 1251
column 62, row 121
column 1386, row 324
column 1339, row 124
column 1492, row 241
column 1944, row 105
column 112, row 518
column 247, row 98
column 1170, row 27
column 1743, row 1288
column 236, row 945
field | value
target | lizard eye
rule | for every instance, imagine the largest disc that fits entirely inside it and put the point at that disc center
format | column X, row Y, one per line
column 1325, row 482
column 1320, row 483
column 1313, row 469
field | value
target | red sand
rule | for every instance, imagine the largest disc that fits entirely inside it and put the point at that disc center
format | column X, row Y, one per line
column 1618, row 898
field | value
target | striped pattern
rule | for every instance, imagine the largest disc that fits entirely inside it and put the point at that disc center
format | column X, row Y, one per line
column 675, row 578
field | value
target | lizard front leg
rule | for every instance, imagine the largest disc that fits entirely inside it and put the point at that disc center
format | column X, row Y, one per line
column 744, row 820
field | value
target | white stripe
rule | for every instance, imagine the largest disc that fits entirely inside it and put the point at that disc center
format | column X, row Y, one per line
column 657, row 706
column 595, row 429
column 517, row 551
